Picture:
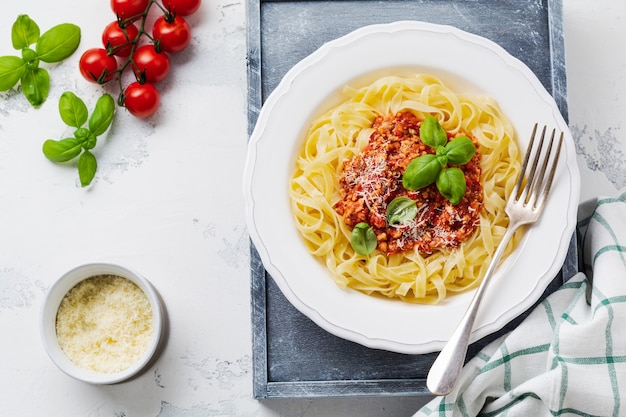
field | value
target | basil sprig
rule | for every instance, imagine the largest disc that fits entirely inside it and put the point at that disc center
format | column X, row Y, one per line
column 363, row 239
column 54, row 45
column 433, row 168
column 74, row 113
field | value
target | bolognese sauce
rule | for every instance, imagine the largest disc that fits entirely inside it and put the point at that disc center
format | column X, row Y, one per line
column 371, row 180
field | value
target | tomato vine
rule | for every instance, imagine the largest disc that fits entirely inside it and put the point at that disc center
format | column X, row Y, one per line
column 128, row 44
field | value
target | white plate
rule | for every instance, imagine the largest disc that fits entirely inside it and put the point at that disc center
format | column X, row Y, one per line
column 468, row 64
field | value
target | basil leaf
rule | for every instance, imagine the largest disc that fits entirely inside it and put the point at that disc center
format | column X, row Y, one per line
column 11, row 70
column 87, row 166
column 401, row 210
column 421, row 172
column 72, row 109
column 62, row 150
column 451, row 184
column 102, row 115
column 431, row 132
column 24, row 32
column 36, row 85
column 460, row 150
column 58, row 43
column 363, row 239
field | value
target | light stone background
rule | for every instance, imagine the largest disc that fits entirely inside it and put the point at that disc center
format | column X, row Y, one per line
column 167, row 200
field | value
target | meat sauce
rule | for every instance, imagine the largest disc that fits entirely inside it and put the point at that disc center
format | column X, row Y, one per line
column 372, row 179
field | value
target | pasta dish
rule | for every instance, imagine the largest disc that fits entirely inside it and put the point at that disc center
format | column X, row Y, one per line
column 353, row 197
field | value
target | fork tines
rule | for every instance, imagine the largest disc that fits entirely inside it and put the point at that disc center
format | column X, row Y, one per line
column 540, row 183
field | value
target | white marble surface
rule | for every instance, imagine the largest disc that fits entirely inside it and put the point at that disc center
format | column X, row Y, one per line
column 167, row 201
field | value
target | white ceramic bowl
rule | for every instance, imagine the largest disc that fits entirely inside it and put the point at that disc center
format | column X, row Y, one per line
column 314, row 85
column 49, row 313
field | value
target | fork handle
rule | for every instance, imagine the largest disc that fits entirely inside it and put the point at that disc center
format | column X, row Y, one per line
column 445, row 370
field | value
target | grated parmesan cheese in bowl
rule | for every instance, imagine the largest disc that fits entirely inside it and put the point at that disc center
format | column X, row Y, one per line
column 102, row 323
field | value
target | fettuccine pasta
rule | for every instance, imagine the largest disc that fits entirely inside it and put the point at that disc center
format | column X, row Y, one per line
column 344, row 130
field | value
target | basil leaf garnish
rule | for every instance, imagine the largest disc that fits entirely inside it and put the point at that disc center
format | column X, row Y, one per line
column 36, row 86
column 451, row 184
column 401, row 210
column 58, row 43
column 62, row 150
column 426, row 169
column 421, row 172
column 460, row 150
column 72, row 109
column 363, row 239
column 432, row 134
column 24, row 32
column 11, row 70
column 87, row 166
column 102, row 115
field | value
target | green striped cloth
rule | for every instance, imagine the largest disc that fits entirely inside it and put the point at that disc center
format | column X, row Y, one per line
column 568, row 357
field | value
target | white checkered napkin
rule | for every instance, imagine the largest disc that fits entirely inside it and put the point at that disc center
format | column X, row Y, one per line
column 568, row 358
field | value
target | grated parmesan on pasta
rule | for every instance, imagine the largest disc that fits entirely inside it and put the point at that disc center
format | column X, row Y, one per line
column 408, row 270
column 104, row 323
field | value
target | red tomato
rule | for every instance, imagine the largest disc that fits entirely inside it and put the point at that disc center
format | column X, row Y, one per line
column 129, row 10
column 149, row 65
column 181, row 7
column 118, row 41
column 141, row 100
column 97, row 66
column 172, row 33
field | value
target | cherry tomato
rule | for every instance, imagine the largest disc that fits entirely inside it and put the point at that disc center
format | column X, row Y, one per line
column 97, row 66
column 117, row 41
column 149, row 65
column 172, row 32
column 141, row 100
column 181, row 7
column 129, row 10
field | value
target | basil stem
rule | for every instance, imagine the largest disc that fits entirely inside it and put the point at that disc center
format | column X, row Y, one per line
column 401, row 210
column 82, row 134
column 451, row 184
column 30, row 58
column 363, row 239
column 431, row 132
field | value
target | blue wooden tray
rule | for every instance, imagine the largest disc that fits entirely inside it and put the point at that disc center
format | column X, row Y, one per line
column 292, row 356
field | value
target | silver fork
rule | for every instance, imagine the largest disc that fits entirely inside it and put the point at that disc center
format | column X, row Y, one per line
column 523, row 207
